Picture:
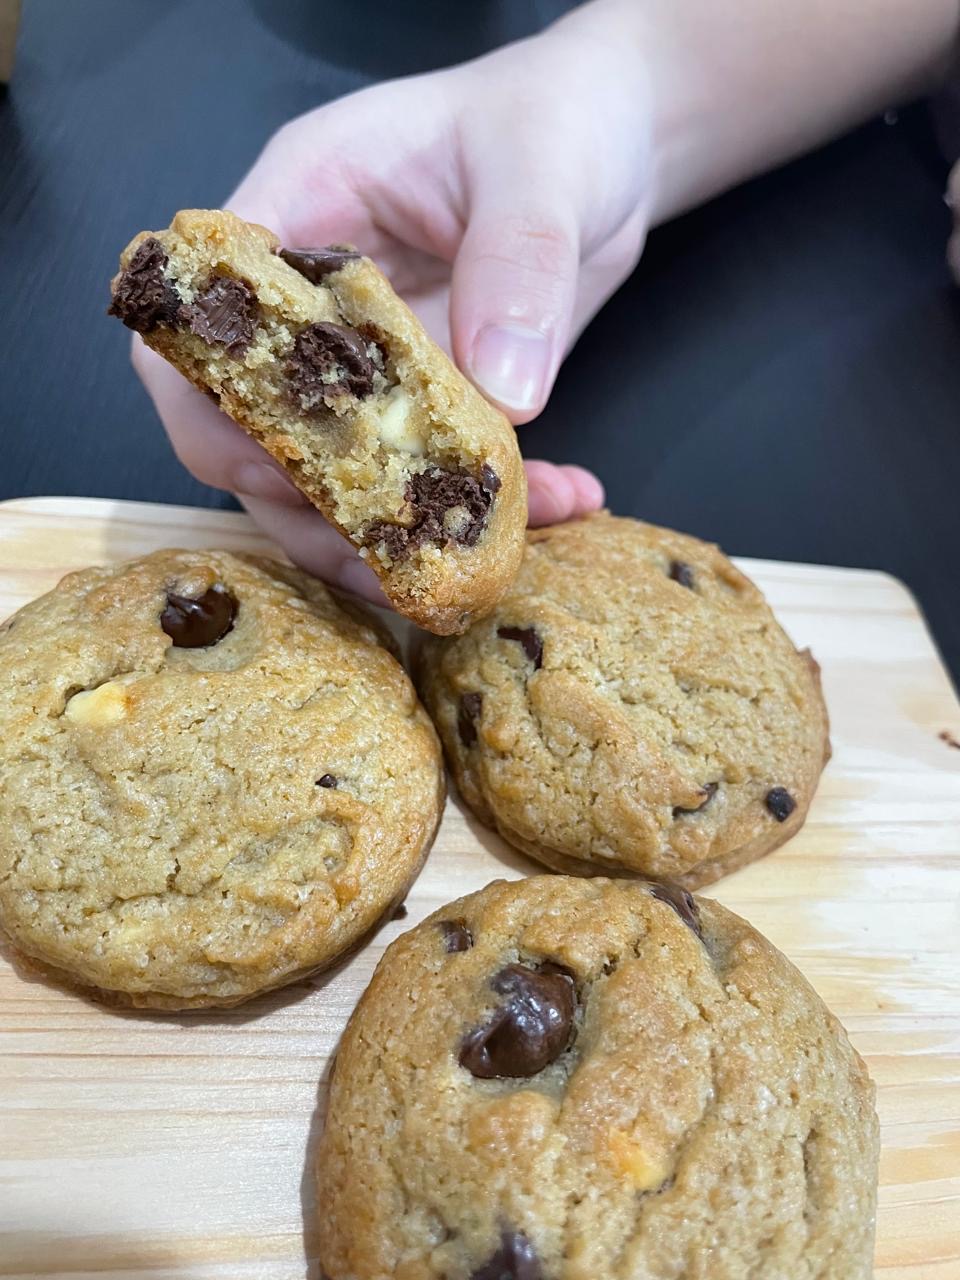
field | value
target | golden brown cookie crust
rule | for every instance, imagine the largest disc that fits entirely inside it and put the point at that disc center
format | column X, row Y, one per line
column 354, row 459
column 183, row 827
column 707, row 1119
column 631, row 706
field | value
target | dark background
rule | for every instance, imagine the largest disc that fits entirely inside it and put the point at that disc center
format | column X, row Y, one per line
column 781, row 374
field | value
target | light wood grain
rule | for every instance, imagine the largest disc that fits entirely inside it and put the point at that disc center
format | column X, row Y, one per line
column 169, row 1147
column 9, row 26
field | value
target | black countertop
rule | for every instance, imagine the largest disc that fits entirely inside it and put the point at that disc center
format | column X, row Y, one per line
column 780, row 375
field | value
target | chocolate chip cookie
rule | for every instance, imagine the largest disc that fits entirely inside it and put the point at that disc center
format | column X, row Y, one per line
column 314, row 355
column 632, row 704
column 570, row 1079
column 214, row 779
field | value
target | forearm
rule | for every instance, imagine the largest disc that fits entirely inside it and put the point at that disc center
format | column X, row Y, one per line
column 737, row 86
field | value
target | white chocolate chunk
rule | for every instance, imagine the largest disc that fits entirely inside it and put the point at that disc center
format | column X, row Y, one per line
column 395, row 427
column 455, row 520
column 644, row 1169
column 97, row 708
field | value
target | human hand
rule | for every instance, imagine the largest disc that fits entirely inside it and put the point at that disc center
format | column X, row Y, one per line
column 505, row 199
column 508, row 198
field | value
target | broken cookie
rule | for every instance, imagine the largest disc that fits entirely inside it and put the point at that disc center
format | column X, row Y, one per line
column 314, row 355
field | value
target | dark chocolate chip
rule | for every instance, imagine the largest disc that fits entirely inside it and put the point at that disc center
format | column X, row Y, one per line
column 780, row 803
column 396, row 538
column 456, row 935
column 468, row 714
column 329, row 360
column 516, row 1259
column 683, row 903
column 682, row 572
column 436, row 492
column 400, row 912
column 708, row 792
column 529, row 1030
column 317, row 264
column 328, row 780
column 489, row 479
column 194, row 623
column 223, row 314
column 432, row 494
column 144, row 297
column 529, row 638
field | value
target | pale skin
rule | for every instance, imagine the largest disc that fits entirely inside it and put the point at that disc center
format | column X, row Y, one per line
column 509, row 197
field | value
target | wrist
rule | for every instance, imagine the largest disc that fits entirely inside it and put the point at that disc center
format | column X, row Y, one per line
column 608, row 44
column 734, row 90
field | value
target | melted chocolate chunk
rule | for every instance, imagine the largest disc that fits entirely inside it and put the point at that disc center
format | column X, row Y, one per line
column 683, row 903
column 489, row 479
column 197, row 623
column 395, row 538
column 224, row 314
column 400, row 912
column 456, row 935
column 432, row 494
column 529, row 1030
column 329, row 360
column 316, row 264
column 708, row 792
column 516, row 1259
column 780, row 803
column 144, row 297
column 468, row 714
column 328, row 780
column 529, row 638
column 682, row 572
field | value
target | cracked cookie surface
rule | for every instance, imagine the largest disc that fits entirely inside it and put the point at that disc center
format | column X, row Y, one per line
column 632, row 705
column 315, row 356
column 670, row 1100
column 214, row 779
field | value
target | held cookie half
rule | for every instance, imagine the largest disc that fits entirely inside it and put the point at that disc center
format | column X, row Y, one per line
column 214, row 779
column 314, row 355
column 569, row 1079
column 632, row 705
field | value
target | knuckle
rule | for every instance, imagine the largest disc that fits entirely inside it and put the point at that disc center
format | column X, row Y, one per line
column 538, row 244
column 288, row 135
column 199, row 466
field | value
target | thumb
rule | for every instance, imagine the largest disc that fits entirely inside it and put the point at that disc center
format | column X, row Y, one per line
column 513, row 291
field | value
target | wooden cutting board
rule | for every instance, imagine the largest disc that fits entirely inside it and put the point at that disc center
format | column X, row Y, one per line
column 152, row 1147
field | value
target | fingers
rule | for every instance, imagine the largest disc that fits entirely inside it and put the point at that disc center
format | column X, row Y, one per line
column 205, row 440
column 220, row 454
column 604, row 271
column 515, row 274
column 560, row 493
column 514, row 285
column 316, row 546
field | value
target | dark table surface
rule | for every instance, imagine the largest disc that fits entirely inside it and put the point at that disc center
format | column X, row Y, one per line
column 781, row 374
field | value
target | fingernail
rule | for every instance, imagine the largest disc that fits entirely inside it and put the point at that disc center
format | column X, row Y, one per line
column 260, row 480
column 511, row 364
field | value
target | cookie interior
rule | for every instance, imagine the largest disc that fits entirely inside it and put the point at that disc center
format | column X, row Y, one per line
column 345, row 403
